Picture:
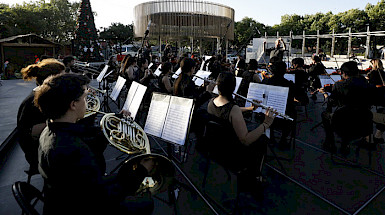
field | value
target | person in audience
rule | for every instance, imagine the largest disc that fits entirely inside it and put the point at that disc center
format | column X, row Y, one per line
column 246, row 151
column 30, row 121
column 353, row 97
column 164, row 80
column 71, row 157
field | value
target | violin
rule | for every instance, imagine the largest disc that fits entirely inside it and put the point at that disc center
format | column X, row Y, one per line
column 365, row 71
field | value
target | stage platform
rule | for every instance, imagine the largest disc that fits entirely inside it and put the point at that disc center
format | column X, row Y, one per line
column 312, row 181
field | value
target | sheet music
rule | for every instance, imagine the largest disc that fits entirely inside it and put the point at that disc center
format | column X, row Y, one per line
column 102, row 73
column 330, row 71
column 277, row 100
column 324, row 79
column 157, row 114
column 157, row 71
column 176, row 75
column 149, row 66
column 177, row 120
column 130, row 95
column 118, row 87
column 255, row 94
column 274, row 96
column 290, row 77
column 202, row 64
column 137, row 100
column 336, row 77
column 202, row 74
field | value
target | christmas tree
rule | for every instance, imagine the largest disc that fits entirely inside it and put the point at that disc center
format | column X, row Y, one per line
column 86, row 44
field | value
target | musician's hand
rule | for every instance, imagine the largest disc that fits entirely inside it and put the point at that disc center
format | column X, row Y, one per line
column 210, row 87
column 149, row 164
column 125, row 113
column 270, row 114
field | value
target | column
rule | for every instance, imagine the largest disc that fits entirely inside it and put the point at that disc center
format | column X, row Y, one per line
column 349, row 44
column 367, row 51
column 333, row 44
column 303, row 44
column 317, row 49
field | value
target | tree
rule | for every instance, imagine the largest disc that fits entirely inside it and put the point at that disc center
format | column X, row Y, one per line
column 55, row 21
column 245, row 30
column 87, row 46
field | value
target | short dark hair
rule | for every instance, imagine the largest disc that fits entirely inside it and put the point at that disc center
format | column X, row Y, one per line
column 253, row 64
column 350, row 68
column 141, row 61
column 278, row 68
column 166, row 67
column 226, row 84
column 316, row 58
column 298, row 61
column 55, row 95
column 68, row 59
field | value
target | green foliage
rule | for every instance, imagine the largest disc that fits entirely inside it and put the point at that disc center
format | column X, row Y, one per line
column 55, row 21
column 118, row 32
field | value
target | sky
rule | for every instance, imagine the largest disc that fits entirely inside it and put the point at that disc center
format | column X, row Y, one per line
column 265, row 12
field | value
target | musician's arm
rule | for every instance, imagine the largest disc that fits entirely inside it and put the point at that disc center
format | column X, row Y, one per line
column 167, row 84
column 239, row 125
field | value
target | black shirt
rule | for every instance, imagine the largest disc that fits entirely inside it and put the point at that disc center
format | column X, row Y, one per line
column 277, row 53
column 73, row 167
column 28, row 116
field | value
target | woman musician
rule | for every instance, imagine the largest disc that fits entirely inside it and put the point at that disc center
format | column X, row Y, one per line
column 248, row 148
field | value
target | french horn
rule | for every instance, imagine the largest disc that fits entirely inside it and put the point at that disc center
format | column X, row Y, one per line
column 127, row 136
column 93, row 105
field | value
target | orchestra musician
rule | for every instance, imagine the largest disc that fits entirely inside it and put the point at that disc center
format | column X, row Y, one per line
column 249, row 76
column 30, row 121
column 353, row 96
column 376, row 76
column 301, row 80
column 279, row 69
column 164, row 80
column 71, row 157
column 316, row 69
column 247, row 150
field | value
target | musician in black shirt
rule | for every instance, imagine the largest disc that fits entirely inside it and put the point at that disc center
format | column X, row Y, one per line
column 30, row 121
column 71, row 157
column 353, row 96
column 316, row 69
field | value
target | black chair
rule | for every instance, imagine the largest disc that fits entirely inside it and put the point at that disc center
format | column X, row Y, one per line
column 215, row 134
column 27, row 196
column 353, row 125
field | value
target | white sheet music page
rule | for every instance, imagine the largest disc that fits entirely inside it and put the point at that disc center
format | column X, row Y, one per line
column 176, row 75
column 177, row 120
column 130, row 95
column 137, row 100
column 203, row 74
column 118, row 87
column 238, row 81
column 102, row 74
column 324, row 79
column 157, row 114
column 335, row 77
column 202, row 64
column 157, row 71
column 255, row 93
column 277, row 100
column 290, row 77
column 330, row 71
